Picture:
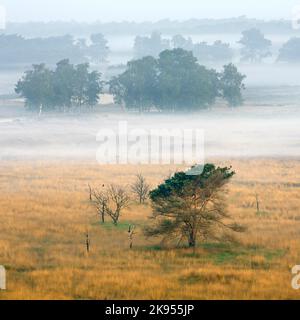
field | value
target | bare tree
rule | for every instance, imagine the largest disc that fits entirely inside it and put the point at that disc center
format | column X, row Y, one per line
column 110, row 202
column 118, row 200
column 257, row 204
column 100, row 200
column 87, row 241
column 140, row 188
column 131, row 233
column 90, row 192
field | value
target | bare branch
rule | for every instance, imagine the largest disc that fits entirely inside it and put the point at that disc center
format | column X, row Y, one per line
column 140, row 188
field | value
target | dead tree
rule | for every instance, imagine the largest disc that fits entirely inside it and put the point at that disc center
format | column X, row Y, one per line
column 87, row 242
column 90, row 192
column 257, row 204
column 118, row 200
column 131, row 234
column 140, row 188
column 100, row 200
column 110, row 202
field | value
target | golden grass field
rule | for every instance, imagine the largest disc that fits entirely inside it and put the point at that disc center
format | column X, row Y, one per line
column 45, row 212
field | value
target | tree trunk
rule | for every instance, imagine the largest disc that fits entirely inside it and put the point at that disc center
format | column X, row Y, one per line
column 192, row 240
column 257, row 204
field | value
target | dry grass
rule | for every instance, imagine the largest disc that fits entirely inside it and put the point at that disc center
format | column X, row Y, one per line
column 44, row 214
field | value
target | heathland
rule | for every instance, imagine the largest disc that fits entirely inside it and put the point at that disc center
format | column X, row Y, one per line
column 45, row 214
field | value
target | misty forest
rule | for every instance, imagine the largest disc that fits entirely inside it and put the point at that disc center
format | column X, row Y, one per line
column 215, row 227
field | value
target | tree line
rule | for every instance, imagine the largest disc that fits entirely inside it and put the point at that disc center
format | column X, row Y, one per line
column 255, row 47
column 66, row 88
column 175, row 81
column 167, row 26
column 154, row 44
column 16, row 49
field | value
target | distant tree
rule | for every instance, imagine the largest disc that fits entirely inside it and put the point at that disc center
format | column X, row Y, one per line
column 208, row 26
column 174, row 82
column 255, row 46
column 36, row 86
column 137, row 86
column 63, row 84
column 140, row 188
column 66, row 87
column 231, row 83
column 17, row 50
column 204, row 52
column 180, row 42
column 94, row 88
column 150, row 46
column 193, row 207
column 98, row 50
column 183, row 83
column 80, row 85
column 290, row 51
column 222, row 51
column 217, row 52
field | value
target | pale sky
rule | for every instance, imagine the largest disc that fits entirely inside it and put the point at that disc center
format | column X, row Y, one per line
column 141, row 10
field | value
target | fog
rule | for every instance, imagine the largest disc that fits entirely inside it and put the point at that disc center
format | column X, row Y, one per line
column 266, row 126
column 121, row 51
column 269, row 73
column 136, row 10
column 121, row 46
column 243, row 132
